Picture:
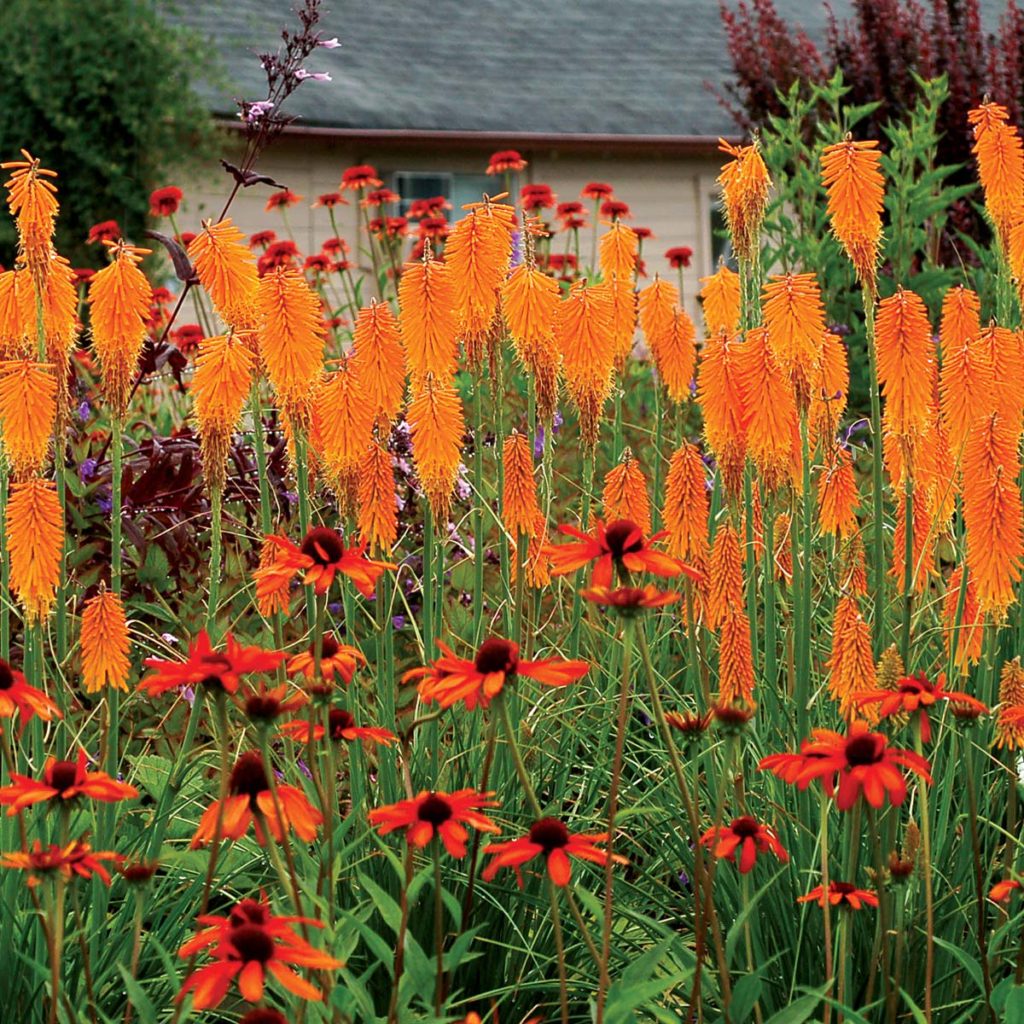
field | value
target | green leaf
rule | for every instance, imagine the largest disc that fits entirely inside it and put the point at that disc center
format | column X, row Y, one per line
column 386, row 906
column 745, row 994
column 137, row 997
column 1013, row 1008
column 969, row 964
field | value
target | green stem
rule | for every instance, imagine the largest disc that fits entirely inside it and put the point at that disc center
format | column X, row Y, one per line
column 556, row 927
column 877, row 482
column 216, row 527
column 908, row 567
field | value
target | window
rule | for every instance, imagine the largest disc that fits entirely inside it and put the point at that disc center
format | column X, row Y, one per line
column 458, row 189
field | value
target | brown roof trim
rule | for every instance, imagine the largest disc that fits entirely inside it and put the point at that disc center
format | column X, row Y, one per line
column 676, row 145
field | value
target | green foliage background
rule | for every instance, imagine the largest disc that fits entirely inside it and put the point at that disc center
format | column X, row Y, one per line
column 100, row 92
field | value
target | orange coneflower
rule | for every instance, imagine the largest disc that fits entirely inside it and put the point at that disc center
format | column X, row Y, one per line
column 966, row 387
column 28, row 406
column 618, row 249
column 219, row 671
column 841, row 894
column 906, row 362
column 337, row 661
column 478, row 251
column 378, row 360
column 250, row 801
column 745, row 185
column 630, row 601
column 77, row 858
column 735, row 659
column 550, row 839
column 686, row 505
column 914, row 695
column 771, row 424
column 32, row 200
column 625, row 493
column 720, row 301
column 519, row 508
column 248, row 945
column 377, row 516
column 1005, row 350
column 967, row 634
column 1010, row 718
column 105, row 643
column 220, row 386
column 436, row 427
column 431, row 814
column 795, row 318
column 340, row 726
column 120, row 299
column 1001, row 891
column 291, row 336
column 428, row 303
column 838, row 497
column 746, row 836
column 529, row 301
column 992, row 512
column 721, row 399
column 450, row 679
column 64, row 781
column 724, row 576
column 585, row 331
column 226, row 268
column 35, row 532
column 851, row 665
column 852, row 175
column 18, row 697
column 1000, row 155
column 343, row 418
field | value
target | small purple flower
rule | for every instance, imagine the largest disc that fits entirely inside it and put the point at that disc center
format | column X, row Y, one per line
column 334, row 607
column 463, row 488
column 84, row 410
column 854, row 428
column 517, row 248
column 312, row 76
column 304, row 768
column 255, row 112
column 398, row 621
column 293, row 498
column 105, row 504
column 556, row 421
column 538, row 443
column 189, row 695
column 87, row 470
column 329, row 44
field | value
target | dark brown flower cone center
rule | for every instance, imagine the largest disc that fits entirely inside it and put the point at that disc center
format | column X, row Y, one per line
column 550, row 834
column 435, row 810
column 497, row 655
column 218, row 667
column 262, row 706
column 863, row 750
column 251, row 942
column 261, row 1016
column 323, row 546
column 248, row 777
column 62, row 775
column 329, row 647
column 6, row 675
column 843, row 888
column 339, row 721
column 247, row 912
column 617, row 537
column 745, row 827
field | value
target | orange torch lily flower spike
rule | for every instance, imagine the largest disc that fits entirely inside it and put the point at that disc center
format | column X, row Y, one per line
column 915, row 694
column 63, row 780
column 449, row 679
column 619, row 545
column 550, row 839
column 437, row 814
column 248, row 945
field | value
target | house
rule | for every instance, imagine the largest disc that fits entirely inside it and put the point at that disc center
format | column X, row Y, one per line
column 425, row 90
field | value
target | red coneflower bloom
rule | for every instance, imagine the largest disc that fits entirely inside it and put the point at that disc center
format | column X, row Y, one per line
column 564, row 211
column 249, row 944
column 165, row 201
column 380, row 197
column 435, row 228
column 186, row 238
column 77, row 858
column 551, row 839
column 1001, row 891
column 16, row 695
column 505, row 160
column 337, row 661
column 221, row 670
column 250, row 801
column 278, row 254
column 105, row 231
column 620, row 545
column 341, row 725
column 188, row 338
column 615, row 209
column 262, row 239
column 263, row 706
column 537, row 197
column 65, row 780
column 630, row 600
column 916, row 693
column 329, row 199
column 862, row 760
column 83, row 275
column 320, row 558
column 282, row 200
column 441, row 814
column 396, row 227
column 432, row 207
column 449, row 679
column 643, row 233
column 358, row 177
column 596, row 190
column 679, row 256
column 333, row 246
column 321, row 263
column 748, row 836
column 841, row 894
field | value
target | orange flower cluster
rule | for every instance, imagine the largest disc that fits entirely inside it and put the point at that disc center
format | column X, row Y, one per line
column 720, row 301
column 519, row 509
column 226, row 269
column 745, row 185
column 105, row 643
column 722, row 400
column 436, row 426
column 1000, row 155
column 625, row 493
column 529, row 302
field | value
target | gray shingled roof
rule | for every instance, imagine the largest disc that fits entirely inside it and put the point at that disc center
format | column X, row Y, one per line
column 555, row 67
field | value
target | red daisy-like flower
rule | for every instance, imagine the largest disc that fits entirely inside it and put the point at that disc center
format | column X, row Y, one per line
column 619, row 545
column 17, row 696
column 263, row 705
column 329, row 199
column 915, row 694
column 437, row 814
column 248, row 945
column 333, row 246
column 63, row 780
column 679, row 256
column 163, row 202
column 396, row 227
column 105, row 231
column 278, row 254
column 77, row 858
column 434, row 228
column 560, row 262
column 361, row 176
column 380, row 197
column 449, row 679
column 432, row 207
column 862, row 761
column 597, row 190
column 186, row 238
column 643, row 233
column 262, row 239
column 188, row 337
column 221, row 670
column 841, row 894
column 1002, row 891
column 615, row 209
column 570, row 209
column 550, row 839
column 337, row 661
column 83, row 275
column 282, row 200
column 537, row 197
column 746, row 835
column 506, row 160
column 341, row 725
column 250, row 801
column 630, row 600
column 320, row 558
column 321, row 263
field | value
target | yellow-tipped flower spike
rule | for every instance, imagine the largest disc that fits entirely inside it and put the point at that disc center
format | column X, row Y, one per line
column 105, row 643
column 378, row 360
column 35, row 531
column 437, row 427
column 226, row 268
column 28, row 407
column 625, row 493
column 32, row 200
column 519, row 508
column 378, row 511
